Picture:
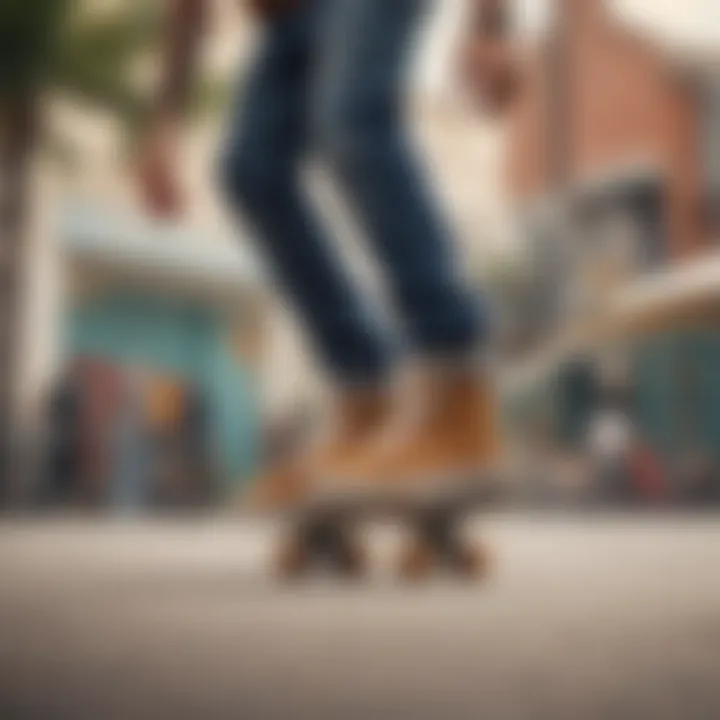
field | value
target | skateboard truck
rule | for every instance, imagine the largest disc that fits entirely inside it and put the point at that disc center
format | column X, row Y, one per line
column 324, row 537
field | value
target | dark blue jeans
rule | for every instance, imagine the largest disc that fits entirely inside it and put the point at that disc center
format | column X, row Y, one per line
column 329, row 81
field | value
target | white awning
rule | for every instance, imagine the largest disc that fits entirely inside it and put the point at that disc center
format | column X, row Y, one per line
column 650, row 301
column 137, row 250
column 682, row 287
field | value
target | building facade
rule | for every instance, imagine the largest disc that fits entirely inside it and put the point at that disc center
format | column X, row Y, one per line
column 614, row 172
column 620, row 128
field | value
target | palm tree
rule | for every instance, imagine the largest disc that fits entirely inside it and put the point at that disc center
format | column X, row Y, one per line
column 50, row 48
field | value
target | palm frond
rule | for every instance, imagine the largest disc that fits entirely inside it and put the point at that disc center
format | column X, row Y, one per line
column 210, row 95
column 68, row 48
column 29, row 35
column 115, row 40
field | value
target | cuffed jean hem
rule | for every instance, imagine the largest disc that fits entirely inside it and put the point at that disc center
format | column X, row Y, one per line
column 380, row 374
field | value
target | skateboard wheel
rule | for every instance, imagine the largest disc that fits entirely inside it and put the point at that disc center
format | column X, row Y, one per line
column 472, row 561
column 416, row 562
column 325, row 549
column 351, row 560
column 422, row 559
column 293, row 559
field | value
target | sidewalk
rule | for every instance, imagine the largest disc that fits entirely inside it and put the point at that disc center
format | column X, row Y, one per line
column 584, row 618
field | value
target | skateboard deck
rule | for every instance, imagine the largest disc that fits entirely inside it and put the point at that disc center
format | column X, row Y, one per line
column 326, row 535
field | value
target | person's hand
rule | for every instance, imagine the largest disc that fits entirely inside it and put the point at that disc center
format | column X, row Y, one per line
column 271, row 9
column 491, row 72
column 159, row 169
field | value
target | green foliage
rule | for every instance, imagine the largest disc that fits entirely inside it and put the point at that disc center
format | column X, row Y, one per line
column 63, row 47
column 29, row 34
column 96, row 56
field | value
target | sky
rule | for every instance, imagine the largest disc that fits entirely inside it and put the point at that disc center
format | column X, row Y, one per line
column 683, row 23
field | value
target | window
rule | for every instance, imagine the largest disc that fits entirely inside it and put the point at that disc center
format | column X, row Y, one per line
column 622, row 224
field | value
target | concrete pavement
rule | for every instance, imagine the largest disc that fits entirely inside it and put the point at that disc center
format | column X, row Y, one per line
column 584, row 618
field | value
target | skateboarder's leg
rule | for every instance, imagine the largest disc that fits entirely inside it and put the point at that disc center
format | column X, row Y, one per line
column 361, row 128
column 260, row 174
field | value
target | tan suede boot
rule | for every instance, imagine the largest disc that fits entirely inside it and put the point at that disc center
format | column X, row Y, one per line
column 354, row 418
column 445, row 432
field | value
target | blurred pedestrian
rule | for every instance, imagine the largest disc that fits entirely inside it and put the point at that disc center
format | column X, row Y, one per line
column 63, row 434
column 610, row 440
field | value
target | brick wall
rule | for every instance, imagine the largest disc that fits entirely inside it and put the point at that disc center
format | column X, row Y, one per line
column 621, row 104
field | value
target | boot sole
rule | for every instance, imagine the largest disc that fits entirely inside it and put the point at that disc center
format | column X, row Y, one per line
column 466, row 488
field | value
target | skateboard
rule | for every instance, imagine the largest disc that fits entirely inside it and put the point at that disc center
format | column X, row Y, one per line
column 327, row 537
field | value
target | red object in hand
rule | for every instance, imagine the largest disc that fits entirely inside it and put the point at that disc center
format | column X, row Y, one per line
column 648, row 476
column 158, row 171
